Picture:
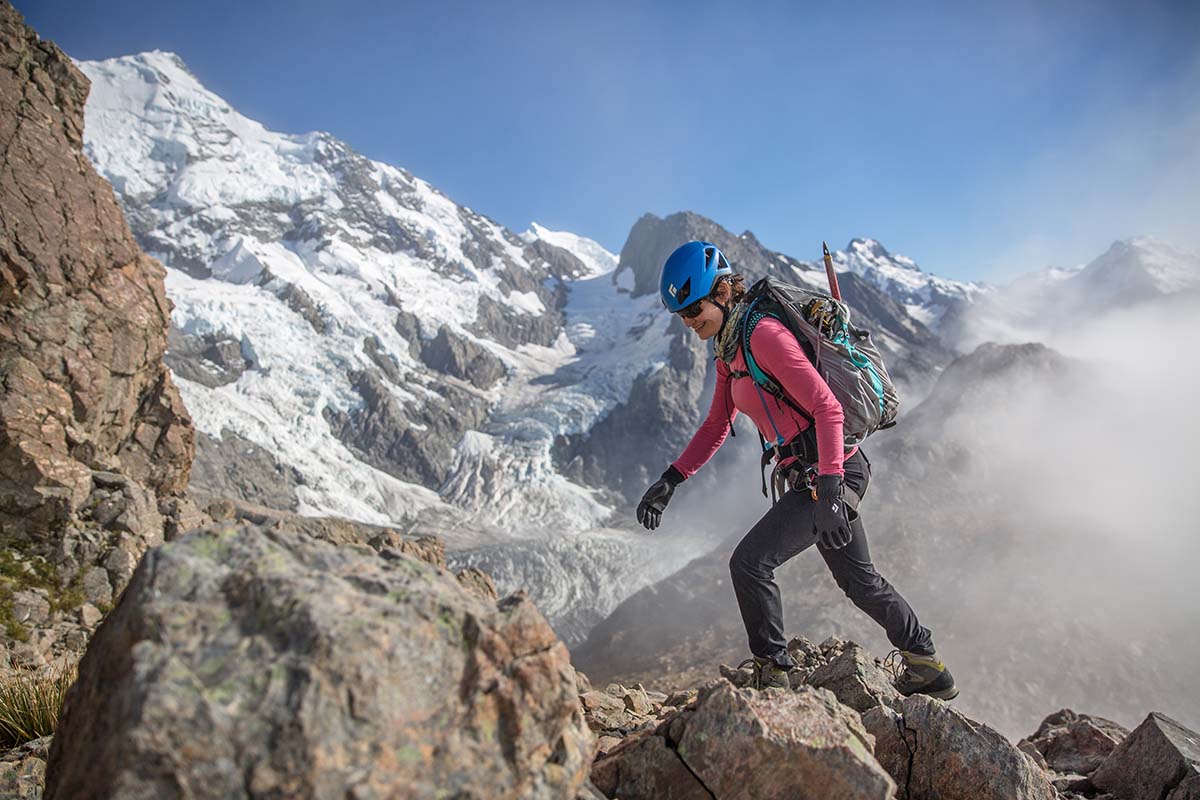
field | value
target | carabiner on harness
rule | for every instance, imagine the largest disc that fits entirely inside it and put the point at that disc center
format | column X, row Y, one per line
column 802, row 453
column 793, row 477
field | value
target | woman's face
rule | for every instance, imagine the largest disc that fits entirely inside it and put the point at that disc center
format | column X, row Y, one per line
column 707, row 323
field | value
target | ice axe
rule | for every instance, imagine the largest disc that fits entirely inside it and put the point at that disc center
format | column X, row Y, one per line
column 829, row 273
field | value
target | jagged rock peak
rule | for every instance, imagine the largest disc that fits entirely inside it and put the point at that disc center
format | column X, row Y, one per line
column 868, row 247
column 873, row 252
column 652, row 239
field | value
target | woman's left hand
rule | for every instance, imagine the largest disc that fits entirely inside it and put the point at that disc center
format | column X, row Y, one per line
column 831, row 518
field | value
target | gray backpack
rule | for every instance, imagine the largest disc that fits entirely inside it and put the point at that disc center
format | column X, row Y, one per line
column 844, row 355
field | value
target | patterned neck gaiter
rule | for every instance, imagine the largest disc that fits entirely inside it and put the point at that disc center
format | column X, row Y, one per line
column 730, row 333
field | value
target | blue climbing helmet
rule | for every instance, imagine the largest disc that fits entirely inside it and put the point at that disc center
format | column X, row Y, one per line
column 690, row 274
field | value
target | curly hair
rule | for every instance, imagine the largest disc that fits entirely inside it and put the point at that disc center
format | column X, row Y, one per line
column 737, row 285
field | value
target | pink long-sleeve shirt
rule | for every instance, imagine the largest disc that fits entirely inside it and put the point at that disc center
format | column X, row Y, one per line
column 780, row 355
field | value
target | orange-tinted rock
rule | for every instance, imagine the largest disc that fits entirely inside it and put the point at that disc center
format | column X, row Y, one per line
column 83, row 313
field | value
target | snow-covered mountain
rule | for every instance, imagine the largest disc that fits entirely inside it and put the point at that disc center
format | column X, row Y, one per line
column 926, row 297
column 1042, row 306
column 393, row 345
column 596, row 260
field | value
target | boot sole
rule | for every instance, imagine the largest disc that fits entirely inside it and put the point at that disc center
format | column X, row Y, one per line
column 945, row 694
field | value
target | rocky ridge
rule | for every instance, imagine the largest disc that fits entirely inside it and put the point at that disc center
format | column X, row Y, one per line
column 651, row 744
column 309, row 668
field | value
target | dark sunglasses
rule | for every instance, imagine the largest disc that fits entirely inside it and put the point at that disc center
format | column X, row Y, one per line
column 692, row 311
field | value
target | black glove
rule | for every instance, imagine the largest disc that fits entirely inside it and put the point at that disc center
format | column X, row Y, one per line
column 831, row 518
column 654, row 501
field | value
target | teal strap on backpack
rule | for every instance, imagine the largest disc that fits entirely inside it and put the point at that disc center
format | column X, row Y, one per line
column 752, row 319
column 863, row 363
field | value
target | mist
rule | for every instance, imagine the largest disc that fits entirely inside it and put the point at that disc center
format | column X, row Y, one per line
column 1060, row 540
column 1037, row 510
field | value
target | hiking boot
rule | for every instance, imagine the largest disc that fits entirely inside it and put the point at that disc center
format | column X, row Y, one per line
column 921, row 674
column 767, row 674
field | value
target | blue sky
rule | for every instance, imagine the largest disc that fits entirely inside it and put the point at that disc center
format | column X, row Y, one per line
column 983, row 140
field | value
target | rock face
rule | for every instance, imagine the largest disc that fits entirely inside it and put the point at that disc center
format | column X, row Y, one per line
column 936, row 753
column 263, row 663
column 93, row 434
column 499, row 323
column 258, row 477
column 84, row 319
column 1160, row 760
column 738, row 743
column 416, row 447
column 458, row 356
column 208, row 359
column 1075, row 743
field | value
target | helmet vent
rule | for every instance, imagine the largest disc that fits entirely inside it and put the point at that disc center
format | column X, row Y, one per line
column 684, row 292
column 709, row 252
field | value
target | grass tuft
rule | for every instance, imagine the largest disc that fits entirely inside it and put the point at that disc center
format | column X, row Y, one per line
column 31, row 702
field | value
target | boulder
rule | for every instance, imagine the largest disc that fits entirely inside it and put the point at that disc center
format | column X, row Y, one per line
column 1075, row 743
column 808, row 658
column 647, row 766
column 1159, row 760
column 739, row 743
column 936, row 753
column 856, row 680
column 249, row 661
column 1029, row 749
column 604, row 712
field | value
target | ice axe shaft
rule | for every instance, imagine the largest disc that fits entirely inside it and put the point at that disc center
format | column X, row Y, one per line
column 829, row 273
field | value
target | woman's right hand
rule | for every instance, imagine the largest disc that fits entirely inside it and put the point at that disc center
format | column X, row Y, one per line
column 654, row 501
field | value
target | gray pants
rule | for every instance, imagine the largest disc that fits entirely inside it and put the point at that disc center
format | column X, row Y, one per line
column 786, row 531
